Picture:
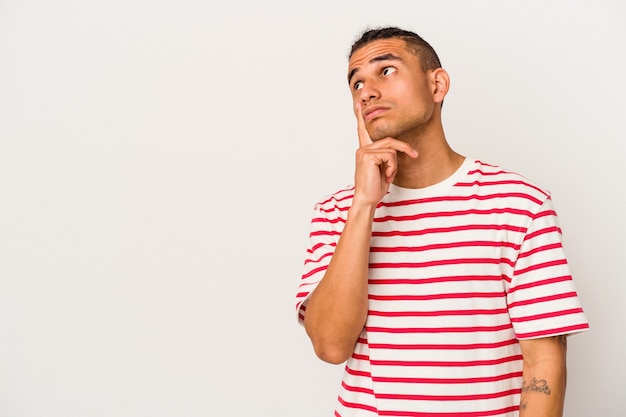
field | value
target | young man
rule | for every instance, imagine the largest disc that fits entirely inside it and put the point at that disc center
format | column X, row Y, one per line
column 440, row 279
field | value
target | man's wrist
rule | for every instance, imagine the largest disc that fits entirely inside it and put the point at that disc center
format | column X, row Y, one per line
column 359, row 209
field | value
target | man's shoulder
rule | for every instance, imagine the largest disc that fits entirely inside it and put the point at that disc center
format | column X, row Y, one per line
column 340, row 199
column 496, row 177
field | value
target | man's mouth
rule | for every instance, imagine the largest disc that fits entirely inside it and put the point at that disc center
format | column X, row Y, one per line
column 374, row 112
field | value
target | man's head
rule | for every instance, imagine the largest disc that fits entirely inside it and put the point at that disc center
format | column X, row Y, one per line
column 397, row 84
column 415, row 43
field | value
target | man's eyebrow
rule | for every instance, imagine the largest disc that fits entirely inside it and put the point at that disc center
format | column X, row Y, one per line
column 384, row 57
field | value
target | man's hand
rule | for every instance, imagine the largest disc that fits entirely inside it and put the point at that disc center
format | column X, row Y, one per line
column 376, row 163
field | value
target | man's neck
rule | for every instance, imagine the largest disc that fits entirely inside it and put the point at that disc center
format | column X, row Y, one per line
column 436, row 162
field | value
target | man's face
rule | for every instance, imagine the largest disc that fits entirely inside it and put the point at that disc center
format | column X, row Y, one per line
column 396, row 95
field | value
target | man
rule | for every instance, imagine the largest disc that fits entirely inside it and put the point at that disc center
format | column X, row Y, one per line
column 440, row 279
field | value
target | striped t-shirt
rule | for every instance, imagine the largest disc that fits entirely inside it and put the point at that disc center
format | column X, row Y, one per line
column 458, row 273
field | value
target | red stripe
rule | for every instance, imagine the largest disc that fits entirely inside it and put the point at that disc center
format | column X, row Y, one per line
column 437, row 313
column 486, row 362
column 448, row 380
column 336, row 198
column 358, row 373
column 414, row 281
column 553, row 332
column 443, row 347
column 470, row 227
column 501, row 182
column 358, row 356
column 314, row 271
column 540, row 249
column 548, row 281
column 309, row 260
column 474, row 243
column 545, row 213
column 435, row 296
column 324, row 233
column 319, row 245
column 540, row 232
column 547, row 315
column 492, row 261
column 356, row 405
column 357, row 389
column 537, row 300
column 479, row 171
column 487, row 413
column 460, row 198
column 438, row 329
column 452, row 214
column 540, row 266
column 327, row 220
column 333, row 209
column 470, row 397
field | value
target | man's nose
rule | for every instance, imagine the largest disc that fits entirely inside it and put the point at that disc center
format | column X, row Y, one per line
column 369, row 91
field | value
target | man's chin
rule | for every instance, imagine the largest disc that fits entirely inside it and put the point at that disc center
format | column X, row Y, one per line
column 382, row 134
column 380, row 128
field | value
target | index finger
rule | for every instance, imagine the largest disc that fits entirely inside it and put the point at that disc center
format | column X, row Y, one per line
column 364, row 136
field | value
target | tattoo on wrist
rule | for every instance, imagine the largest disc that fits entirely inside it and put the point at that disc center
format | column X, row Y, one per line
column 537, row 386
column 523, row 405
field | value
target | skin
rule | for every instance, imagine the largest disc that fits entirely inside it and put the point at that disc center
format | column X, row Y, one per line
column 398, row 111
column 545, row 376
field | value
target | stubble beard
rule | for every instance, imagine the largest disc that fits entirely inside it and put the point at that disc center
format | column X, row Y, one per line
column 406, row 129
column 396, row 131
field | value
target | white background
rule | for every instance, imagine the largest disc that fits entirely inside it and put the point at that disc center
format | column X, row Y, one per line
column 159, row 161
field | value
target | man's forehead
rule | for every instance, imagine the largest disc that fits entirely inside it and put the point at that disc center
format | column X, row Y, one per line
column 382, row 49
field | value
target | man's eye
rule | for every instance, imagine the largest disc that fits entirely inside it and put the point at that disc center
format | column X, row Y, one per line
column 388, row 70
column 358, row 85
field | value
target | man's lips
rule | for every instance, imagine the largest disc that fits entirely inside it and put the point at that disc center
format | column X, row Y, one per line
column 374, row 112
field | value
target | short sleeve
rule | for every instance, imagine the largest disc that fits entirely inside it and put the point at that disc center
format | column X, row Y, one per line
column 542, row 299
column 324, row 234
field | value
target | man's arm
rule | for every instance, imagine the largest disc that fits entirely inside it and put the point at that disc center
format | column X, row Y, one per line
column 544, row 376
column 337, row 309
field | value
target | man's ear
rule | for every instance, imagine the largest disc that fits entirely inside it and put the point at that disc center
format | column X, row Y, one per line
column 441, row 84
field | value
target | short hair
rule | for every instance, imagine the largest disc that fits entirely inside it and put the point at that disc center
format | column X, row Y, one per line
column 425, row 53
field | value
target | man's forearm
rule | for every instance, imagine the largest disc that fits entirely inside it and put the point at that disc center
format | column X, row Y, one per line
column 544, row 377
column 337, row 310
